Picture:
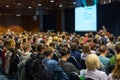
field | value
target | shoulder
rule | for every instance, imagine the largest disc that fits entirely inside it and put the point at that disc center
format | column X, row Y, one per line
column 110, row 76
column 65, row 63
column 52, row 62
column 101, row 73
column 104, row 58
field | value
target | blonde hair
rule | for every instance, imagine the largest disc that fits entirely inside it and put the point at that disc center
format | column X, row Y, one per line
column 81, row 40
column 55, row 38
column 118, row 38
column 116, row 71
column 26, row 46
column 92, row 62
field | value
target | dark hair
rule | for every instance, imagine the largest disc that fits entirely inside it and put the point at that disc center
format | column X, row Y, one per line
column 52, row 44
column 48, row 51
column 111, row 38
column 41, row 46
column 64, row 51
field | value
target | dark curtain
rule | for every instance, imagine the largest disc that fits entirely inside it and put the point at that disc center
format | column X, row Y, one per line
column 69, row 20
column 107, row 15
column 49, row 22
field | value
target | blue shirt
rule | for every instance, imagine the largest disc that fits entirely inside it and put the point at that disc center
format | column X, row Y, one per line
column 50, row 64
column 105, row 61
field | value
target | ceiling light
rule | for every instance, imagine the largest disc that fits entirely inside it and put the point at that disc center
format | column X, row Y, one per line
column 48, row 8
column 60, row 5
column 7, row 6
column 18, row 15
column 0, row 14
column 29, row 7
column 39, row 4
column 74, row 2
column 18, row 3
column 51, row 0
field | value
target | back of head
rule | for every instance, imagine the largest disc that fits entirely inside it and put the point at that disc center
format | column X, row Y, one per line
column 92, row 62
column 111, row 38
column 103, row 48
column 64, row 51
column 48, row 51
column 117, row 47
column 86, row 48
column 52, row 44
column 41, row 47
column 73, row 46
column 26, row 46
column 118, row 38
column 76, row 40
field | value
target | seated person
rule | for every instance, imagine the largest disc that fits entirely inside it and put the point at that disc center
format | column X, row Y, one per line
column 91, row 71
column 48, row 61
column 66, row 66
column 115, row 75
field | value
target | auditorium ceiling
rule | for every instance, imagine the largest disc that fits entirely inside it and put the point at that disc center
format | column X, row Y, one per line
column 7, row 6
column 38, row 4
column 45, row 4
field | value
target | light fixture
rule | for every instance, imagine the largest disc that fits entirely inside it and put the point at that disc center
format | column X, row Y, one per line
column 18, row 3
column 18, row 15
column 48, row 8
column 39, row 4
column 0, row 14
column 74, row 2
column 7, row 6
column 51, row 1
column 29, row 7
column 60, row 5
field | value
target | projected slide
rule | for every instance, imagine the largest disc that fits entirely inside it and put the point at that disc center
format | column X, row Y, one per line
column 85, row 18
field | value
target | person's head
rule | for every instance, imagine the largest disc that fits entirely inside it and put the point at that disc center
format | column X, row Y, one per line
column 65, row 45
column 90, row 35
column 92, row 46
column 92, row 62
column 64, row 52
column 41, row 47
column 81, row 40
column 86, row 35
column 111, row 38
column 76, row 40
column 55, row 38
column 52, row 44
column 73, row 46
column 116, row 71
column 48, row 52
column 86, row 48
column 102, row 34
column 18, row 45
column 117, row 47
column 26, row 47
column 103, row 49
column 118, row 38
